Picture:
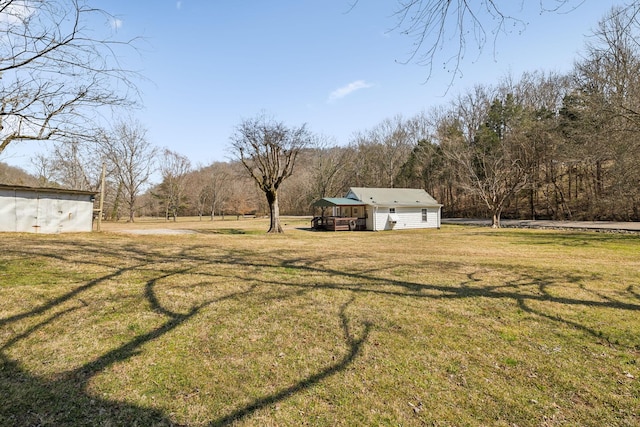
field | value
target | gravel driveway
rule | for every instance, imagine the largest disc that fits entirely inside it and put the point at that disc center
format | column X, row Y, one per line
column 580, row 225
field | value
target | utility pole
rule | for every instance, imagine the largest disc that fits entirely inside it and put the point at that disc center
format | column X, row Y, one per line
column 101, row 205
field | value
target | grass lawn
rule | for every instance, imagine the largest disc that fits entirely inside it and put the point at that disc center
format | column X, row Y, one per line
column 460, row 326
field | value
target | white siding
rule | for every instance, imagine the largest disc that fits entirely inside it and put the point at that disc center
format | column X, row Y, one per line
column 433, row 217
column 370, row 218
column 380, row 218
column 407, row 218
column 407, row 202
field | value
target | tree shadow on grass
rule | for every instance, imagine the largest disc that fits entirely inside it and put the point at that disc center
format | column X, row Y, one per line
column 632, row 291
column 66, row 400
column 28, row 400
column 354, row 343
column 531, row 286
column 33, row 401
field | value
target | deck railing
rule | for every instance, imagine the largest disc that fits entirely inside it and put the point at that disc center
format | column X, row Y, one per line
column 336, row 223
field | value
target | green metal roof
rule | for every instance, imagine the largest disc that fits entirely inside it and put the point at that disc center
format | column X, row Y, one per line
column 393, row 196
column 381, row 197
column 338, row 201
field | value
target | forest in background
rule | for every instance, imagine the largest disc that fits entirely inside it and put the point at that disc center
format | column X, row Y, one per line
column 540, row 146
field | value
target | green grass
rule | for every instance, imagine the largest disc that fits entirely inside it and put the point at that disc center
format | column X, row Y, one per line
column 230, row 326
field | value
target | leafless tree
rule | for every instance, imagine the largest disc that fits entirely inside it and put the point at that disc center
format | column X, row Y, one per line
column 175, row 169
column 542, row 94
column 383, row 150
column 295, row 193
column 44, row 169
column 57, row 71
column 75, row 165
column 213, row 188
column 433, row 24
column 329, row 171
column 491, row 162
column 605, row 115
column 131, row 159
column 268, row 150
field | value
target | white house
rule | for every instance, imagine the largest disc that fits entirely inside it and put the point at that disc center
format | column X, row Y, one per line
column 380, row 209
column 45, row 210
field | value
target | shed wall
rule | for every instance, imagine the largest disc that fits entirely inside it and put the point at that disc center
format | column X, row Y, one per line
column 41, row 212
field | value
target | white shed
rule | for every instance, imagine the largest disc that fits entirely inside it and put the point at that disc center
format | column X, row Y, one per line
column 45, row 210
column 381, row 209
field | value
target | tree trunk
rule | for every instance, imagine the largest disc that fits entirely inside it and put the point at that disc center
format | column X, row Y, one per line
column 495, row 220
column 274, row 212
column 532, row 204
column 130, row 202
column 496, row 214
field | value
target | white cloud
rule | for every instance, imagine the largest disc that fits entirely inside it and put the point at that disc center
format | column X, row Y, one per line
column 348, row 89
column 116, row 23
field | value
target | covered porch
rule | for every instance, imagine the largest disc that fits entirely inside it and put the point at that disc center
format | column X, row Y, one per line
column 340, row 214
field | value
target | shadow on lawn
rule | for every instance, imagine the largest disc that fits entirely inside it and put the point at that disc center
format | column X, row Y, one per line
column 66, row 400
column 31, row 401
column 355, row 345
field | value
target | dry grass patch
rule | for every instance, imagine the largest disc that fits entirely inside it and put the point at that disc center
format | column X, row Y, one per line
column 458, row 326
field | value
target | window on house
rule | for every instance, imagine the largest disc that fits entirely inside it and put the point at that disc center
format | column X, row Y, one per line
column 424, row 215
column 392, row 210
column 355, row 211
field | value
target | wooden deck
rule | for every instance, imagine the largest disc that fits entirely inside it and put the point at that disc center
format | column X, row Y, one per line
column 334, row 223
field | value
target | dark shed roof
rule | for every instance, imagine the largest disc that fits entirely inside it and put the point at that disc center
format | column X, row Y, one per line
column 338, row 201
column 45, row 190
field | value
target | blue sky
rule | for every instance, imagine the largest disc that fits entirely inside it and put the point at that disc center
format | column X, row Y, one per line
column 210, row 64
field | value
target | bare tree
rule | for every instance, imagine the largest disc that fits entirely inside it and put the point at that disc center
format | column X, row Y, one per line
column 210, row 188
column 75, row 165
column 491, row 162
column 56, row 72
column 199, row 193
column 295, row 193
column 44, row 169
column 243, row 198
column 384, row 149
column 174, row 169
column 268, row 150
column 329, row 171
column 605, row 120
column 131, row 159
column 469, row 25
